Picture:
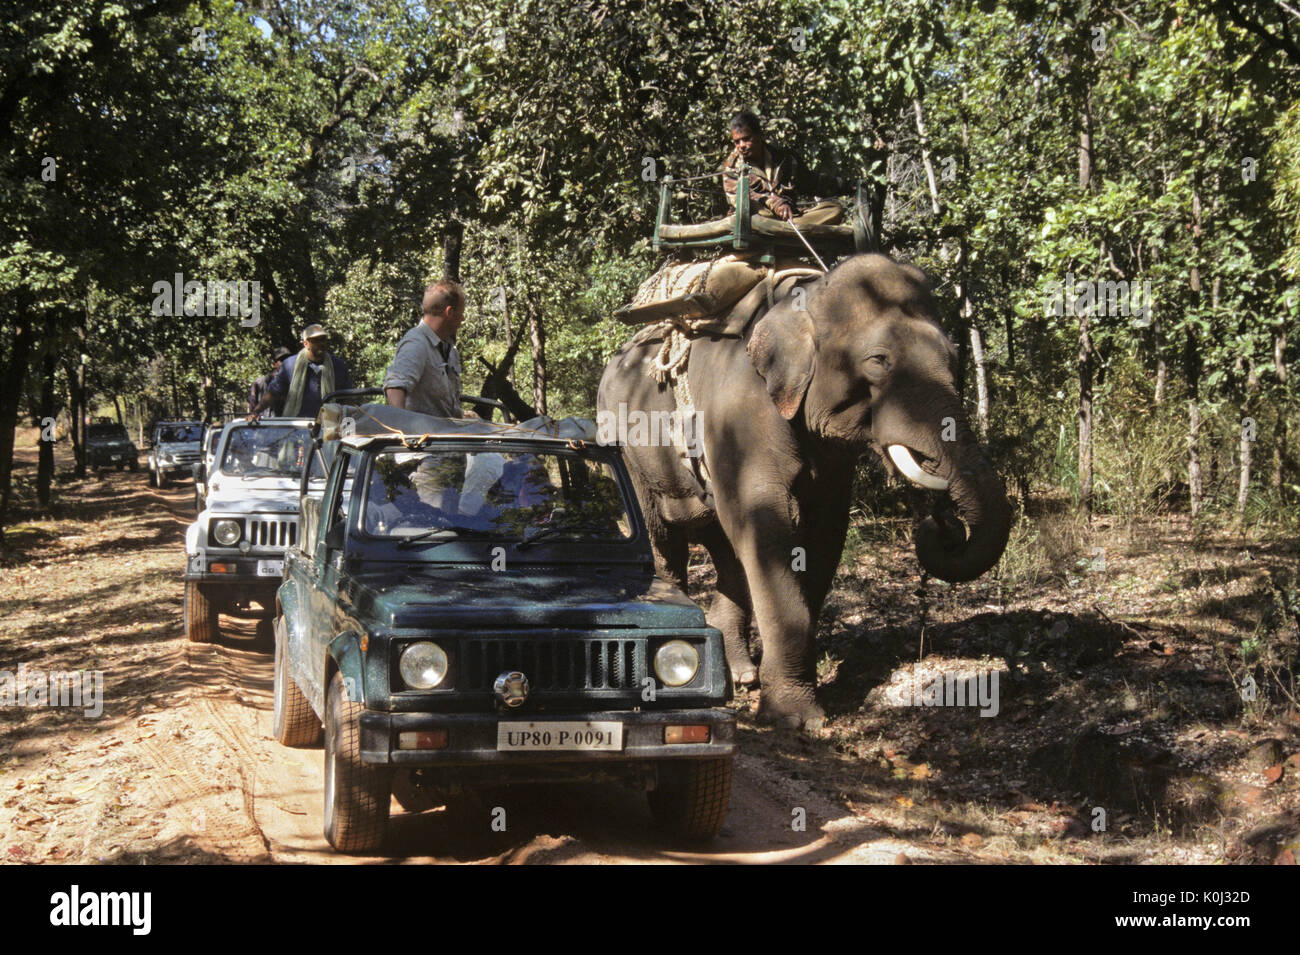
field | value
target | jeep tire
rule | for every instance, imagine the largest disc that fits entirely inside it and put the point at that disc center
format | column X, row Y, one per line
column 294, row 722
column 201, row 624
column 692, row 796
column 356, row 795
column 162, row 478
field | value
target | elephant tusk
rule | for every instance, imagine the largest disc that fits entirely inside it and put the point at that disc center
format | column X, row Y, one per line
column 904, row 461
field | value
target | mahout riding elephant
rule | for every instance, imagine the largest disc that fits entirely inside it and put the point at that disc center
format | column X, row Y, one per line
column 857, row 361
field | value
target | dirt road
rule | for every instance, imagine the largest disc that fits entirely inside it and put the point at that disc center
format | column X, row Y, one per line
column 181, row 767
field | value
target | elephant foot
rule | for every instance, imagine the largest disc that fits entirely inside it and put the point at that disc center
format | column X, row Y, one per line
column 793, row 710
column 743, row 672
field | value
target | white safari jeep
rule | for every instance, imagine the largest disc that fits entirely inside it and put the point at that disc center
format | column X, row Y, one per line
column 234, row 550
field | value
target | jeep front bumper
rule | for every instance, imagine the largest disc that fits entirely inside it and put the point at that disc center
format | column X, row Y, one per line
column 244, row 572
column 471, row 738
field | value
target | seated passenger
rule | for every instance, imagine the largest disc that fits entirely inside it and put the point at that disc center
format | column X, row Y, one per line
column 423, row 500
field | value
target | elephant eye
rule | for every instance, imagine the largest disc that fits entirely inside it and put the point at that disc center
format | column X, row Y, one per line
column 879, row 361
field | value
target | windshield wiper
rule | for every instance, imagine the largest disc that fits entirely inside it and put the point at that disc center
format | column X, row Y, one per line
column 431, row 534
column 533, row 535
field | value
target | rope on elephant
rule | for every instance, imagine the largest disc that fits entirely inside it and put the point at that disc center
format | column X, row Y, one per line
column 668, row 364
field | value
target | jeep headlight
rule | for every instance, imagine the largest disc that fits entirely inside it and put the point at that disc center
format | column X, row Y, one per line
column 227, row 533
column 676, row 663
column 423, row 665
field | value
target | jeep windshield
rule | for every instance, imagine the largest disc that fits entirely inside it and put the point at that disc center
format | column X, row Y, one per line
column 265, row 451
column 517, row 496
column 179, row 433
column 106, row 433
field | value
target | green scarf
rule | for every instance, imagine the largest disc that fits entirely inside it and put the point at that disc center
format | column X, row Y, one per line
column 298, row 384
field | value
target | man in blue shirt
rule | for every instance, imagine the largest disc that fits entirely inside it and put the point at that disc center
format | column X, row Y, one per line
column 305, row 377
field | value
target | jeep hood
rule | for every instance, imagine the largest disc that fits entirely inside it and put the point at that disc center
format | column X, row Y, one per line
column 232, row 491
column 245, row 500
column 483, row 600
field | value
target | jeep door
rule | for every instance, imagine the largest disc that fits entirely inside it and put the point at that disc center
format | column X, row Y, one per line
column 322, row 594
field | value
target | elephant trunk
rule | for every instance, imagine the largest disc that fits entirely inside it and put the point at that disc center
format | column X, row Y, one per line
column 944, row 548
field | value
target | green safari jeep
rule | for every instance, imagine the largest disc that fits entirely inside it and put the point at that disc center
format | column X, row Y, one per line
column 473, row 604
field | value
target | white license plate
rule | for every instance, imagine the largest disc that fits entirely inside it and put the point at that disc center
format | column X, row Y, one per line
column 270, row 568
column 540, row 737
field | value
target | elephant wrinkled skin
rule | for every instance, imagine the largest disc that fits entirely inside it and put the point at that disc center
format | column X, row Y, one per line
column 784, row 413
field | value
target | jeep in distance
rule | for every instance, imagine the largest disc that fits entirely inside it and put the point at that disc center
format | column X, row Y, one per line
column 108, row 445
column 473, row 605
column 174, row 450
column 234, row 550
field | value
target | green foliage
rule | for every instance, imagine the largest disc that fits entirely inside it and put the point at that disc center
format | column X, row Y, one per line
column 323, row 150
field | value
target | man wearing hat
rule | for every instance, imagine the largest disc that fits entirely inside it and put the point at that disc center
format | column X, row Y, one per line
column 425, row 373
column 305, row 378
column 262, row 384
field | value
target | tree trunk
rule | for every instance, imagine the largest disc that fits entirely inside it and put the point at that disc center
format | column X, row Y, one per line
column 981, row 381
column 1194, row 488
column 175, row 410
column 1192, row 358
column 1248, row 434
column 209, row 391
column 1085, row 144
column 45, row 449
column 117, row 407
column 1279, row 438
column 1085, row 330
column 935, row 206
column 537, row 336
column 451, row 244
column 11, row 389
column 75, row 366
column 1162, row 366
column 1085, row 412
column 1008, row 319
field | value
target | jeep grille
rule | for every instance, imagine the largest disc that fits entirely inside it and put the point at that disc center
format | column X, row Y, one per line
column 555, row 664
column 272, row 533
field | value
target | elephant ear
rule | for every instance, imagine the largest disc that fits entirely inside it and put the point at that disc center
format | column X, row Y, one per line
column 783, row 350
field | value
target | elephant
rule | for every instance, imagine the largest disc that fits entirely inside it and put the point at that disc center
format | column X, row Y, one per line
column 784, row 410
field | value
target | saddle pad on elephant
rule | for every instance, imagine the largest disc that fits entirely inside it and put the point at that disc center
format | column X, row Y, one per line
column 771, row 285
column 771, row 289
column 692, row 289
